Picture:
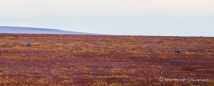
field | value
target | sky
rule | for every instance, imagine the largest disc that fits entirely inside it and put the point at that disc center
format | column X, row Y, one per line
column 113, row 17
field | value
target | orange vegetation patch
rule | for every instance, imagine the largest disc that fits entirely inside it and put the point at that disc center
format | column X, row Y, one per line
column 98, row 60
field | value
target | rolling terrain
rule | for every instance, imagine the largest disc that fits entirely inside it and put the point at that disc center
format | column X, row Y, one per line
column 31, row 30
column 101, row 60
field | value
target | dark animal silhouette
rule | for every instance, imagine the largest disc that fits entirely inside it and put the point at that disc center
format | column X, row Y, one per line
column 28, row 44
column 2, row 66
column 178, row 51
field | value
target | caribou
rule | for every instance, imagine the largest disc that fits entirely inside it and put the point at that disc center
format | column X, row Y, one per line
column 178, row 51
column 28, row 44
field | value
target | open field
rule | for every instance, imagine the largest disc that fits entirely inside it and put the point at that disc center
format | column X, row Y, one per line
column 90, row 60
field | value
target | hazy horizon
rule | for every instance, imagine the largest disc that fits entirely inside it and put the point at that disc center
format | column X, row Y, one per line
column 36, row 30
column 113, row 17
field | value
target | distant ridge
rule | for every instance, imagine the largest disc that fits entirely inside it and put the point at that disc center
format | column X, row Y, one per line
column 31, row 30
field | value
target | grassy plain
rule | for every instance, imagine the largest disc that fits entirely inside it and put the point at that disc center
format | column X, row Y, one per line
column 99, row 60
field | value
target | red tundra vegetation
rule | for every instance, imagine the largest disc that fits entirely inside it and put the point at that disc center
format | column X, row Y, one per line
column 104, row 60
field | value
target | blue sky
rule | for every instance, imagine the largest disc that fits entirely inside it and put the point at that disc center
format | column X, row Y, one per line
column 116, row 17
